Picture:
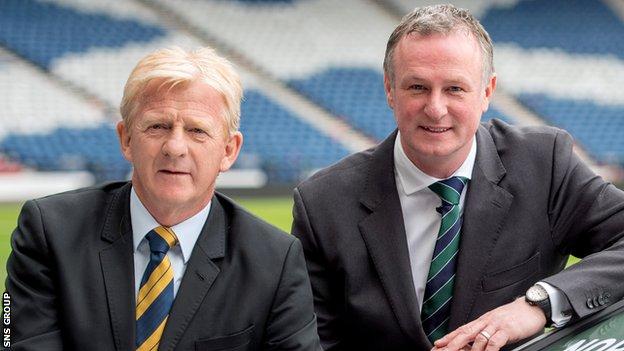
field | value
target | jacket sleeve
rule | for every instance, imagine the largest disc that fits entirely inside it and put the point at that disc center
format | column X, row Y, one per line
column 587, row 220
column 327, row 296
column 292, row 323
column 30, row 284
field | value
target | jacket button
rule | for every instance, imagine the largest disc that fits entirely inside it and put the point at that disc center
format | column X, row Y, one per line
column 595, row 300
column 590, row 304
column 601, row 300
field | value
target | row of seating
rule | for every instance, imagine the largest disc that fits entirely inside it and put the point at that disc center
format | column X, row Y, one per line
column 328, row 51
column 46, row 131
column 575, row 26
column 599, row 128
column 275, row 140
column 43, row 31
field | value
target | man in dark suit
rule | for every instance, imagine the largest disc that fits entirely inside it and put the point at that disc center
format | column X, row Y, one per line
column 162, row 262
column 436, row 234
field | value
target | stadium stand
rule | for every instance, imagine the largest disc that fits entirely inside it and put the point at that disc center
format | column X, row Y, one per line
column 575, row 26
column 101, row 66
column 43, row 31
column 564, row 61
column 286, row 145
column 327, row 52
column 599, row 127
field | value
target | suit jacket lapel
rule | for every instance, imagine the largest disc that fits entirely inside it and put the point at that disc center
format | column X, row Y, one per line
column 485, row 209
column 383, row 232
column 118, row 269
column 200, row 273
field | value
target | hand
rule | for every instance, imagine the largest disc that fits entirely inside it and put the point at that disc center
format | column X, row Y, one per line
column 506, row 324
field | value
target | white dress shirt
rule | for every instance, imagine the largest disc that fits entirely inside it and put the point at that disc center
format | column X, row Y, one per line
column 418, row 204
column 187, row 233
column 422, row 222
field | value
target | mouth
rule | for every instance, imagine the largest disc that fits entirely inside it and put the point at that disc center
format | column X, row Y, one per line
column 172, row 172
column 435, row 129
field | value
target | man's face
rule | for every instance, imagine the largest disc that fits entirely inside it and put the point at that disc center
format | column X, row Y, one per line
column 438, row 96
column 178, row 143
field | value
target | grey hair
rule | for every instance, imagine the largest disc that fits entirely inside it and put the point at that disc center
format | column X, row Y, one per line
column 175, row 66
column 440, row 19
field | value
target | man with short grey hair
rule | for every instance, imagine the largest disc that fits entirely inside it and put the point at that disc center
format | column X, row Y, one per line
column 163, row 262
column 430, row 237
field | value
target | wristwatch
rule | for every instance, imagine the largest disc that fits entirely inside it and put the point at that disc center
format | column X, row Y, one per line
column 538, row 296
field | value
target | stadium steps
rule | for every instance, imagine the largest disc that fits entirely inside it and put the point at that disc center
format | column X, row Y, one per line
column 258, row 76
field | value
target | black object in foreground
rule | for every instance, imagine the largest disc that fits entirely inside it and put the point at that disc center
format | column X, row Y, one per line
column 602, row 331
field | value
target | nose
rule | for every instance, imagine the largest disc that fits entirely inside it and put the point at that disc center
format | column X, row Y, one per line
column 435, row 106
column 176, row 144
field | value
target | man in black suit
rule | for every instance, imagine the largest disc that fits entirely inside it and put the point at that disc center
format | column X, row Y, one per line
column 163, row 262
column 440, row 228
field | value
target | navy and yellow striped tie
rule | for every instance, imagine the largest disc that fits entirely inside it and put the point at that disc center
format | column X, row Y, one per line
column 156, row 292
column 440, row 280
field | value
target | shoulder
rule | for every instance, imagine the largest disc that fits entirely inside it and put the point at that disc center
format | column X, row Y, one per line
column 252, row 232
column 75, row 199
column 90, row 202
column 504, row 134
column 352, row 171
column 521, row 143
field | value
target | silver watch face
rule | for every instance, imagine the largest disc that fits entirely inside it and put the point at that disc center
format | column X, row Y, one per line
column 536, row 293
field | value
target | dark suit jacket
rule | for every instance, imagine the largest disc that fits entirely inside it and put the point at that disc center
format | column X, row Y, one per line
column 530, row 204
column 71, row 280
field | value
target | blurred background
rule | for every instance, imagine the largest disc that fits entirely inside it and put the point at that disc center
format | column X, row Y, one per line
column 312, row 72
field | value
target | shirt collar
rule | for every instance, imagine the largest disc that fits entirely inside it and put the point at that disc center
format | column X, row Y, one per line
column 187, row 231
column 413, row 179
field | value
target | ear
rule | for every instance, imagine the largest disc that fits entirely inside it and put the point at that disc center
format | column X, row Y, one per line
column 124, row 140
column 232, row 149
column 388, row 88
column 489, row 92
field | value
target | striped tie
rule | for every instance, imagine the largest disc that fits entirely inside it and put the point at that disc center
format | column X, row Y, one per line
column 156, row 293
column 440, row 280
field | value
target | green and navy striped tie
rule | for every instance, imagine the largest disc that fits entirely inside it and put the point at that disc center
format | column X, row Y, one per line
column 440, row 280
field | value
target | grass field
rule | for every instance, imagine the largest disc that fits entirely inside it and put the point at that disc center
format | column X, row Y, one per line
column 274, row 210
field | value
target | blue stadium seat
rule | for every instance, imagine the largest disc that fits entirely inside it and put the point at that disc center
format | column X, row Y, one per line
column 284, row 146
column 42, row 32
column 93, row 149
column 287, row 147
column 598, row 128
column 576, row 26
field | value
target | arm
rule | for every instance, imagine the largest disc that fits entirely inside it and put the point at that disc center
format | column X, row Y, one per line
column 586, row 216
column 30, row 283
column 292, row 324
column 326, row 299
column 587, row 221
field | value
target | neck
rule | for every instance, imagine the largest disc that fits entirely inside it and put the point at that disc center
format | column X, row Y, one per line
column 170, row 214
column 440, row 167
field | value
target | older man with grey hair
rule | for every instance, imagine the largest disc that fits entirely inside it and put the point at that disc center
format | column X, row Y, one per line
column 452, row 232
column 164, row 261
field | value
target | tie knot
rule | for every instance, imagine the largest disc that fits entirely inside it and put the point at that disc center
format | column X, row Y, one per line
column 161, row 239
column 449, row 190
